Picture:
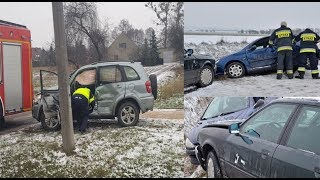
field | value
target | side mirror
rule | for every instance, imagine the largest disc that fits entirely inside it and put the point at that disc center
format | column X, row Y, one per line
column 189, row 52
column 234, row 128
column 259, row 103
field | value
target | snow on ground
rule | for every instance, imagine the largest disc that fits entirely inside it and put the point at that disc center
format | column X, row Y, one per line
column 164, row 72
column 253, row 85
column 261, row 85
column 213, row 39
column 153, row 148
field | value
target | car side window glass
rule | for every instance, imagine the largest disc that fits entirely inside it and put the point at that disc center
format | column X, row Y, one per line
column 110, row 74
column 305, row 130
column 86, row 77
column 131, row 74
column 268, row 123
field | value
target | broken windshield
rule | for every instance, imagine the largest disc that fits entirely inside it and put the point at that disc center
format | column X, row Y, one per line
column 225, row 105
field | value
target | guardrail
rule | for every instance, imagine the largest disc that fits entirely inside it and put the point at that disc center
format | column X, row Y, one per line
column 222, row 34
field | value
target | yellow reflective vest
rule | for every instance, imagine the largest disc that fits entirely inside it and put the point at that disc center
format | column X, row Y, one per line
column 86, row 93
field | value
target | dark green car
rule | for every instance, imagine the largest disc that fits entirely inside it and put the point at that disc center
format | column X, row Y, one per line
column 279, row 141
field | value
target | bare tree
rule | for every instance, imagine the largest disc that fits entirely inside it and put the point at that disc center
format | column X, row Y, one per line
column 125, row 27
column 81, row 19
column 162, row 10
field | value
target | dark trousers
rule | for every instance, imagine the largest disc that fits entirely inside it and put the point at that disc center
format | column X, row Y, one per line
column 285, row 62
column 80, row 111
column 313, row 61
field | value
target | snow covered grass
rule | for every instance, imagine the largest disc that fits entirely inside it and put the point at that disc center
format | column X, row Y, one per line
column 263, row 84
column 153, row 148
column 170, row 92
column 213, row 39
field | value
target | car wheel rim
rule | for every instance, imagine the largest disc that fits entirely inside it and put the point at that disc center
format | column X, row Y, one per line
column 206, row 76
column 210, row 168
column 235, row 70
column 128, row 115
column 52, row 122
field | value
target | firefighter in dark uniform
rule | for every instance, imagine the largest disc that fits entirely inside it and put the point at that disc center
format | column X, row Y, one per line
column 308, row 49
column 282, row 38
column 82, row 106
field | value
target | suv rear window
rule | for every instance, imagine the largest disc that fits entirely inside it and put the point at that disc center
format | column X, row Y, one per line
column 131, row 74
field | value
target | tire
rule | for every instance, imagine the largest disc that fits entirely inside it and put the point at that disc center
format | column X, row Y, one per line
column 212, row 166
column 154, row 85
column 55, row 126
column 206, row 76
column 235, row 70
column 132, row 116
column 2, row 123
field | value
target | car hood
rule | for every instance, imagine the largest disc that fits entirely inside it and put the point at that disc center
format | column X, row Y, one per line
column 224, row 124
column 201, row 56
column 193, row 134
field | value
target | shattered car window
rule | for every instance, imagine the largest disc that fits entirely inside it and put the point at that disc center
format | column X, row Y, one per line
column 87, row 77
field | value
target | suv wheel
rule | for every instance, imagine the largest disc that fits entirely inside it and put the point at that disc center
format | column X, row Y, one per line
column 206, row 76
column 213, row 169
column 128, row 114
column 50, row 124
column 235, row 70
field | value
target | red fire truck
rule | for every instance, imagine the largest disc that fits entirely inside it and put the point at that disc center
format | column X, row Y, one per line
column 16, row 90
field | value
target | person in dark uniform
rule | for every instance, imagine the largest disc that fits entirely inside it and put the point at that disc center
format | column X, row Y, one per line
column 308, row 49
column 282, row 38
column 82, row 105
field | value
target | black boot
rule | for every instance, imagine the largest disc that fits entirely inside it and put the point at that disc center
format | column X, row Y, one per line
column 279, row 76
column 301, row 75
column 290, row 76
column 315, row 76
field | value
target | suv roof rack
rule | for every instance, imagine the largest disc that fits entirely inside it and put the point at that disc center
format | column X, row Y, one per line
column 2, row 22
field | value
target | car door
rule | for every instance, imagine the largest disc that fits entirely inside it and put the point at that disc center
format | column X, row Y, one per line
column 260, row 55
column 191, row 69
column 249, row 153
column 110, row 89
column 299, row 154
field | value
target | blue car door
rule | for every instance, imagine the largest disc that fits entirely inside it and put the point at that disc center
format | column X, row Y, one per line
column 261, row 57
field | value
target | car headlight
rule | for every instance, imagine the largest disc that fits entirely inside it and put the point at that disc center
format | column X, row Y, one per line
column 189, row 144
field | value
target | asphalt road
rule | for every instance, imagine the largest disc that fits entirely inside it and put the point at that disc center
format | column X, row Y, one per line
column 18, row 121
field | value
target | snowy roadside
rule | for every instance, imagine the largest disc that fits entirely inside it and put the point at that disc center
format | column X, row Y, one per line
column 194, row 107
column 153, row 148
column 261, row 85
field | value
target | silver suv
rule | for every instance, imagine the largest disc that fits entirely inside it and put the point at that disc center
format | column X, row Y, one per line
column 121, row 89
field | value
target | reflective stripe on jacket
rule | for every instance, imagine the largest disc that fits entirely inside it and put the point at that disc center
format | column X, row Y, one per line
column 308, row 41
column 282, row 38
column 86, row 93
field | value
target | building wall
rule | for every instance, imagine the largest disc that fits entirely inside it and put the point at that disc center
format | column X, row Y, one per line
column 168, row 55
column 122, row 49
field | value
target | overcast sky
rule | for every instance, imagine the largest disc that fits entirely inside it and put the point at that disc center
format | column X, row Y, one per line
column 37, row 16
column 258, row 15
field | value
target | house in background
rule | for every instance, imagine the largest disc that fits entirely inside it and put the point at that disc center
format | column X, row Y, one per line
column 122, row 49
column 36, row 53
column 168, row 55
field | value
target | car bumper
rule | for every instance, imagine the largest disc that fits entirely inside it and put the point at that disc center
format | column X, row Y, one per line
column 219, row 70
column 147, row 104
column 35, row 111
column 199, row 157
column 192, row 155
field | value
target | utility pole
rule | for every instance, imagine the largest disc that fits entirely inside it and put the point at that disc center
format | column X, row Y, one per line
column 63, row 78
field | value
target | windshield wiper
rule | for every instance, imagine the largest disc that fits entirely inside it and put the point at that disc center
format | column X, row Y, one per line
column 222, row 114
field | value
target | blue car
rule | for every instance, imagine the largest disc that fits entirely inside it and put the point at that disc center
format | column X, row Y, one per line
column 256, row 57
column 223, row 109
